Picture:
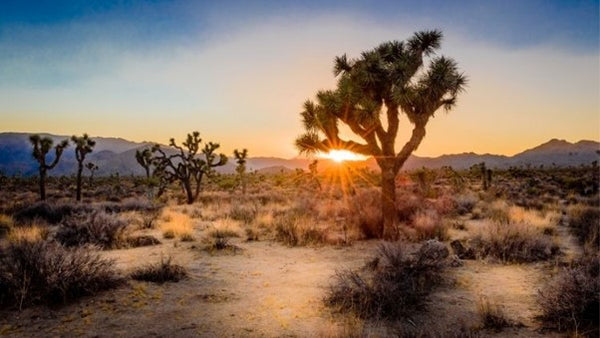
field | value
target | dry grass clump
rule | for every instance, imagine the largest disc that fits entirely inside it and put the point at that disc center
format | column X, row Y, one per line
column 225, row 227
column 6, row 224
column 98, row 228
column 176, row 224
column 545, row 221
column 492, row 316
column 571, row 300
column 585, row 224
column 143, row 240
column 428, row 225
column 396, row 285
column 497, row 212
column 160, row 272
column 465, row 203
column 245, row 213
column 38, row 272
column 31, row 233
column 296, row 230
column 365, row 212
column 514, row 242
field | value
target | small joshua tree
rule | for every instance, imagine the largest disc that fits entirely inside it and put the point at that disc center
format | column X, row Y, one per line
column 144, row 158
column 92, row 168
column 240, row 169
column 41, row 147
column 186, row 165
column 83, row 146
column 312, row 170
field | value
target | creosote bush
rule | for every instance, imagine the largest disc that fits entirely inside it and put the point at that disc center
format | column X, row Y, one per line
column 98, row 228
column 397, row 284
column 161, row 272
column 38, row 272
column 571, row 300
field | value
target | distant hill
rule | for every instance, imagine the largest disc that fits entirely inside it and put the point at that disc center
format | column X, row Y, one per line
column 116, row 155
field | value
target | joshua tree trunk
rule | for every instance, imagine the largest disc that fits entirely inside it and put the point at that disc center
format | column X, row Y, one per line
column 388, row 228
column 188, row 191
column 79, row 172
column 42, row 184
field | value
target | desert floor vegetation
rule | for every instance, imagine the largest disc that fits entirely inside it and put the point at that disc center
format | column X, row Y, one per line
column 287, row 258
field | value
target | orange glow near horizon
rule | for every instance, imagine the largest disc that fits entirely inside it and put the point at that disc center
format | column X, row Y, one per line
column 340, row 156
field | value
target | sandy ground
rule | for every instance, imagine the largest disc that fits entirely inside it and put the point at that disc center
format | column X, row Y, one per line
column 267, row 289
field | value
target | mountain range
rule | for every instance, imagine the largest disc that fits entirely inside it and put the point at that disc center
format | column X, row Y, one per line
column 117, row 155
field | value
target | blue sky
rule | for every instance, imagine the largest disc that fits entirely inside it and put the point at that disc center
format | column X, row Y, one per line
column 237, row 70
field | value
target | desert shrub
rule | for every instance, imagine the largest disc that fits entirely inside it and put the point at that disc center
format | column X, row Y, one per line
column 465, row 203
column 243, row 213
column 397, row 284
column 98, row 228
column 38, row 272
column 570, row 301
column 138, row 241
column 50, row 213
column 149, row 219
column 131, row 205
column 161, row 272
column 514, row 242
column 295, row 230
column 429, row 225
column 407, row 206
column 492, row 316
column 585, row 224
column 364, row 212
column 168, row 234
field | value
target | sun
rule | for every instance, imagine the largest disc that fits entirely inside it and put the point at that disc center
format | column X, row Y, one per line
column 342, row 155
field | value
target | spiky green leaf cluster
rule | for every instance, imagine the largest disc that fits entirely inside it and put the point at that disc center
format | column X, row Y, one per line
column 386, row 81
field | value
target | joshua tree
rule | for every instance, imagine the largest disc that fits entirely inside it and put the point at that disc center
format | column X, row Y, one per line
column 144, row 158
column 83, row 146
column 313, row 172
column 372, row 91
column 41, row 147
column 186, row 165
column 240, row 169
column 91, row 167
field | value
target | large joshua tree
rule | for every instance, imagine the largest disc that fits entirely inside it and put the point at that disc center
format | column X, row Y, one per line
column 372, row 91
column 83, row 146
column 187, row 165
column 41, row 147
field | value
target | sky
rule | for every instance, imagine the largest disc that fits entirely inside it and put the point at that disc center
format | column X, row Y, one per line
column 239, row 71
